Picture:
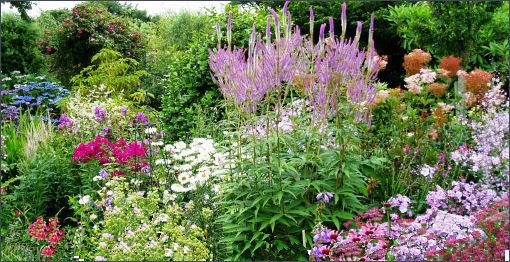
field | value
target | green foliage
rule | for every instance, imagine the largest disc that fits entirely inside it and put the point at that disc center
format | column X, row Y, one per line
column 474, row 31
column 82, row 33
column 271, row 198
column 188, row 84
column 126, row 9
column 171, row 34
column 117, row 73
column 19, row 45
column 47, row 179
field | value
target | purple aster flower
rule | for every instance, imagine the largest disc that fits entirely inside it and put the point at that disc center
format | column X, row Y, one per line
column 141, row 118
column 100, row 114
column 64, row 121
column 106, row 130
column 123, row 110
column 103, row 173
column 324, row 197
column 407, row 149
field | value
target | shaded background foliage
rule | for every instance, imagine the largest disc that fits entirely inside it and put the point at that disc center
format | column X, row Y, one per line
column 19, row 45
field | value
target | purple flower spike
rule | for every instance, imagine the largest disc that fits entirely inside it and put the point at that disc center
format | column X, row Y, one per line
column 344, row 19
column 324, row 197
column 312, row 16
column 229, row 30
column 358, row 32
column 268, row 31
column 321, row 32
column 276, row 23
column 286, row 7
column 331, row 28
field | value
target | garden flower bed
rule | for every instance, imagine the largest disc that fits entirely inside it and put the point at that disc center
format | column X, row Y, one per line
column 292, row 147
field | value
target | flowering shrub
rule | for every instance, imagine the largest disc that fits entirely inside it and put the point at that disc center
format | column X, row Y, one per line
column 126, row 154
column 153, row 226
column 120, row 118
column 451, row 220
column 415, row 61
column 46, row 232
column 33, row 95
column 462, row 199
column 494, row 221
column 193, row 164
column 84, row 31
column 489, row 153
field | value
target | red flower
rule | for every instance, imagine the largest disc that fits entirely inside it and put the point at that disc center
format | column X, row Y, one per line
column 49, row 50
column 333, row 235
column 111, row 27
column 118, row 173
column 55, row 236
column 38, row 229
column 53, row 222
column 47, row 251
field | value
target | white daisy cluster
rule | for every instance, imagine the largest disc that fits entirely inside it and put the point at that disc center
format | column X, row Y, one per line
column 195, row 163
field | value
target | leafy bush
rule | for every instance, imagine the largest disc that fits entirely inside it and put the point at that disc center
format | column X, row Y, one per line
column 84, row 32
column 118, row 75
column 19, row 45
column 153, row 227
column 190, row 94
column 466, row 30
column 47, row 176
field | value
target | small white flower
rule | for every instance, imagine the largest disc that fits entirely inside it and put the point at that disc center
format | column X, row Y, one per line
column 84, row 200
column 179, row 188
column 97, row 178
column 100, row 258
column 103, row 245
column 93, row 217
column 169, row 148
column 179, row 146
column 151, row 130
column 410, row 134
column 183, row 178
column 168, row 252
column 157, row 143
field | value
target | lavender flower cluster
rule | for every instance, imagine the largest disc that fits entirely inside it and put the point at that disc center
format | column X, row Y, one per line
column 462, row 199
column 451, row 217
column 321, row 69
column 489, row 155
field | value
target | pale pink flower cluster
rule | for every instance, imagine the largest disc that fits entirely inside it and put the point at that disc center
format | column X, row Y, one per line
column 414, row 83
